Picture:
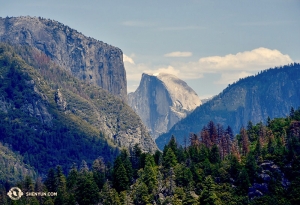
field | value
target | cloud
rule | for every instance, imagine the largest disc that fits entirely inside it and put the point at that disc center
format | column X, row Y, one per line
column 230, row 77
column 127, row 59
column 169, row 69
column 230, row 67
column 178, row 54
column 257, row 59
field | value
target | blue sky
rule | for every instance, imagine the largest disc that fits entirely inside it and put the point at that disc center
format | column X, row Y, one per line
column 207, row 43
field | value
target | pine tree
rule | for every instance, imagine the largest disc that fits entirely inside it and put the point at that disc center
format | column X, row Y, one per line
column 125, row 198
column 208, row 194
column 72, row 180
column 140, row 193
column 243, row 181
column 99, row 170
column 62, row 197
column 120, row 178
column 109, row 196
column 214, row 156
column 169, row 159
column 87, row 190
column 235, row 166
column 149, row 174
column 245, row 142
column 251, row 167
column 50, row 181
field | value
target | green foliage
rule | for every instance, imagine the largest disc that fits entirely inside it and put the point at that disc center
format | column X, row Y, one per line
column 169, row 159
column 214, row 170
column 208, row 195
column 109, row 195
column 12, row 167
column 31, row 122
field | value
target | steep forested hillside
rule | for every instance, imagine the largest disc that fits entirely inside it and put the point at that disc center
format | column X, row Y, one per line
column 12, row 167
column 270, row 93
column 51, row 118
column 260, row 166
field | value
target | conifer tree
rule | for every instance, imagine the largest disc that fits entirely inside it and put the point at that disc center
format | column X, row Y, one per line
column 243, row 181
column 62, row 197
column 50, row 181
column 87, row 190
column 169, row 159
column 245, row 142
column 208, row 194
column 120, row 178
column 140, row 193
column 109, row 195
column 149, row 174
column 214, row 156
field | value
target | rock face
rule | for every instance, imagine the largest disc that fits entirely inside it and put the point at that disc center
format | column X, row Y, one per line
column 271, row 93
column 91, row 107
column 161, row 100
column 86, row 58
column 262, row 187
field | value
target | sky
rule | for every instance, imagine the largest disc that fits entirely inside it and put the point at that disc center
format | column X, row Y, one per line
column 207, row 43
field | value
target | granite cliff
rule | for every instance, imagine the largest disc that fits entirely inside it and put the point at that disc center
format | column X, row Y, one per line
column 51, row 117
column 86, row 58
column 161, row 100
column 271, row 93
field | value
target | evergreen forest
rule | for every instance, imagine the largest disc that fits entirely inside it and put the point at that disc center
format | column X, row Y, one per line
column 260, row 165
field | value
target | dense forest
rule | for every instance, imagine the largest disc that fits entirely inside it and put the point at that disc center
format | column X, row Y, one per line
column 260, row 165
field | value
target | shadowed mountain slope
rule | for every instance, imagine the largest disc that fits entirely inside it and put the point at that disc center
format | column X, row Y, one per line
column 271, row 93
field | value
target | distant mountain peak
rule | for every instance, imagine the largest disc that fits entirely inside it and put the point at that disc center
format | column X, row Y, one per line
column 271, row 93
column 161, row 100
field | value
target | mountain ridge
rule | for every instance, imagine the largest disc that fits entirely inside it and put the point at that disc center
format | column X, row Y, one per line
column 87, row 58
column 271, row 93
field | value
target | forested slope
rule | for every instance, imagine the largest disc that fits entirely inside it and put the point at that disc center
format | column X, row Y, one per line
column 260, row 166
column 271, row 93
column 51, row 118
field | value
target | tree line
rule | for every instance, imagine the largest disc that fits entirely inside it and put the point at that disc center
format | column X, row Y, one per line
column 215, row 168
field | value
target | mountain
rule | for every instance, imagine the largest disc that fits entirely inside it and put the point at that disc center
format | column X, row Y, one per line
column 86, row 58
column 13, row 169
column 161, row 100
column 271, row 93
column 52, row 118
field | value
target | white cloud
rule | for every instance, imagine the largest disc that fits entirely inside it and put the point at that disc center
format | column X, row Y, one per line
column 257, row 59
column 127, row 59
column 178, row 54
column 231, row 66
column 230, row 77
column 169, row 69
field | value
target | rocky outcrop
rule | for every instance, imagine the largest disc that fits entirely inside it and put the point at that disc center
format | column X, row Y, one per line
column 86, row 58
column 271, row 93
column 60, row 101
column 268, row 172
column 161, row 100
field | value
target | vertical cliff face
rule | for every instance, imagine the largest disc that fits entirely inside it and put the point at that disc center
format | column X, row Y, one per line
column 161, row 100
column 86, row 58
